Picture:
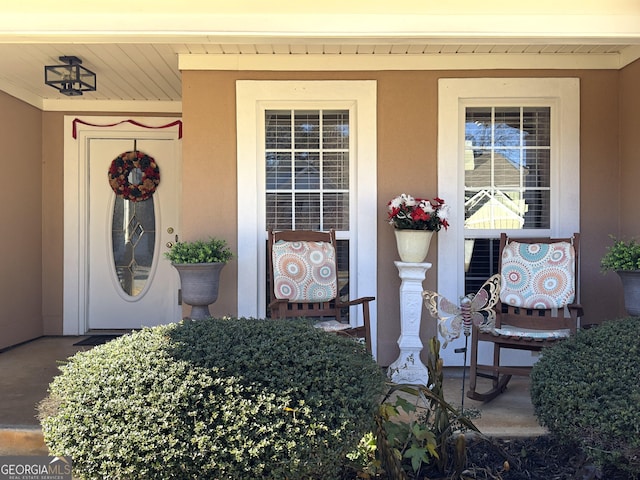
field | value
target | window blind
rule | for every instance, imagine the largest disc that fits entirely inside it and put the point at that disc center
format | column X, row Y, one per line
column 307, row 169
column 507, row 167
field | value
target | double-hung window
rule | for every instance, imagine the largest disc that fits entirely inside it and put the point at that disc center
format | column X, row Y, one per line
column 508, row 161
column 307, row 160
column 307, row 176
column 507, row 180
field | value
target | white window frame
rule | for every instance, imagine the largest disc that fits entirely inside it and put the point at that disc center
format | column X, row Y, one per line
column 454, row 96
column 253, row 98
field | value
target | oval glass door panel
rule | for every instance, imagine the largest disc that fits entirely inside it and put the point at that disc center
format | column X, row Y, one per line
column 133, row 232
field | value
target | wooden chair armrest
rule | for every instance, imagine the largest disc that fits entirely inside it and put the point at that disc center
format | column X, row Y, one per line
column 357, row 301
column 577, row 307
column 278, row 308
column 355, row 332
column 277, row 302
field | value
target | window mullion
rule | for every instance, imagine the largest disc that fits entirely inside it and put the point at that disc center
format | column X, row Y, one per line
column 522, row 186
column 293, row 149
column 321, row 165
column 492, row 181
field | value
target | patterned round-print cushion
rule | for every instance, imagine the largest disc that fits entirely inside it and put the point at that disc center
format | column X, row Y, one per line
column 538, row 275
column 304, row 271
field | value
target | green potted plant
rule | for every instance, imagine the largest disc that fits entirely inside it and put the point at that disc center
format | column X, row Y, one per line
column 199, row 264
column 623, row 257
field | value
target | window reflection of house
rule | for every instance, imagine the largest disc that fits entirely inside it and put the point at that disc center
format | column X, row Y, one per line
column 493, row 196
column 507, row 168
column 506, row 180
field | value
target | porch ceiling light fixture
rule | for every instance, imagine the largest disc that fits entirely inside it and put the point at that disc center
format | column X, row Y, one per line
column 71, row 79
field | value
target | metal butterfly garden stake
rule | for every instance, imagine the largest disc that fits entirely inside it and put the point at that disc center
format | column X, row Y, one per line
column 474, row 309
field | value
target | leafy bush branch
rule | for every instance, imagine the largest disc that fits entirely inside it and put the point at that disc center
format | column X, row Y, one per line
column 426, row 431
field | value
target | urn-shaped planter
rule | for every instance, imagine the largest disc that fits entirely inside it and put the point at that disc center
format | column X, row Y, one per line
column 631, row 287
column 199, row 283
column 413, row 245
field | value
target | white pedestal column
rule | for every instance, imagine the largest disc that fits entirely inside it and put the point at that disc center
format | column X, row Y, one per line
column 408, row 368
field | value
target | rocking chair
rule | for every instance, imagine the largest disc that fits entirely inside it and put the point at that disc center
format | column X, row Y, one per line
column 304, row 281
column 537, row 306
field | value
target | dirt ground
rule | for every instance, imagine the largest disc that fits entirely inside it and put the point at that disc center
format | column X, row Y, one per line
column 541, row 458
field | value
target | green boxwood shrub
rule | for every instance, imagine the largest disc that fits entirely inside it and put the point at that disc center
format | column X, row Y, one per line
column 217, row 398
column 586, row 390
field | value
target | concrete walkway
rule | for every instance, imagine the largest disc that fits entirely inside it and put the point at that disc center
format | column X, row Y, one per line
column 25, row 374
column 27, row 370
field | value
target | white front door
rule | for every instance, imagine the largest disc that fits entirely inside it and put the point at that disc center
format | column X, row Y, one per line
column 115, row 273
column 131, row 284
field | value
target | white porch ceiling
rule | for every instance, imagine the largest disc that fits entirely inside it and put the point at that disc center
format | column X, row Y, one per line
column 138, row 54
column 133, row 75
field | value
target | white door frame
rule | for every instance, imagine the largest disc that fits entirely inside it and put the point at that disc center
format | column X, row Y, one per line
column 76, row 221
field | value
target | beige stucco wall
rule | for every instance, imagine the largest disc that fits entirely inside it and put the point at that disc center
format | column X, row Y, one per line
column 629, row 172
column 20, row 222
column 407, row 143
column 629, row 151
column 599, row 207
column 52, row 221
column 209, row 172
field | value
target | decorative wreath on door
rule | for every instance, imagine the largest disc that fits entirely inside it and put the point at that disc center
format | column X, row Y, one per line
column 122, row 181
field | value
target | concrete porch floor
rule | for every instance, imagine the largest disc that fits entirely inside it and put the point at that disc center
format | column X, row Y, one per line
column 27, row 370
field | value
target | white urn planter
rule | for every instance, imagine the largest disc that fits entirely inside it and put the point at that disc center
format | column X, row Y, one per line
column 199, row 283
column 413, row 245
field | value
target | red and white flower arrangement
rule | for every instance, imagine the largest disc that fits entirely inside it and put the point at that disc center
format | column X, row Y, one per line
column 409, row 213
